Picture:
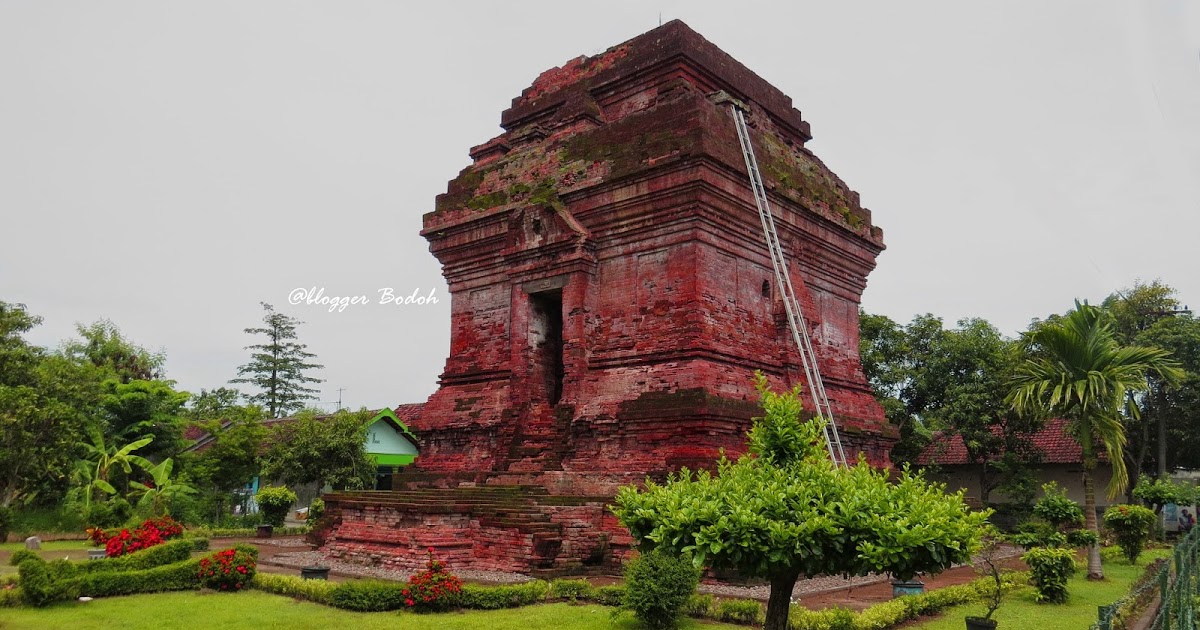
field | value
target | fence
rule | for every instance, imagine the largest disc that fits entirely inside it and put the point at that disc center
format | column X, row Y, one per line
column 1176, row 586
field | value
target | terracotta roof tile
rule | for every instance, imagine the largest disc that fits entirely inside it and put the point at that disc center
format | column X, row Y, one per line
column 1053, row 442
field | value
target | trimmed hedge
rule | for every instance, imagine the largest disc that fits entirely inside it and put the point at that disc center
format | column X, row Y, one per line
column 319, row 591
column 744, row 611
column 612, row 595
column 571, row 590
column 368, row 596
column 240, row 532
column 21, row 555
column 478, row 597
column 156, row 556
column 897, row 611
column 180, row 576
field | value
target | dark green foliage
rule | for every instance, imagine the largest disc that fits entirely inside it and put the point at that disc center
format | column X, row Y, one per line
column 6, row 521
column 198, row 544
column 368, row 596
column 1131, row 525
column 479, row 597
column 113, row 512
column 169, row 552
column 1050, row 569
column 180, row 576
column 21, row 555
column 657, row 585
column 1037, row 533
column 326, row 450
column 611, row 595
column 570, row 590
column 1082, row 538
column 1056, row 509
column 36, row 587
column 743, row 611
column 1159, row 492
column 274, row 502
column 277, row 366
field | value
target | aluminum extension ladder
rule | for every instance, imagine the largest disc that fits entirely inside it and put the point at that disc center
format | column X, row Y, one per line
column 791, row 304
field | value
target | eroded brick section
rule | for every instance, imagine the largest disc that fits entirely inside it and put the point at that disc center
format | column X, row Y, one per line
column 612, row 295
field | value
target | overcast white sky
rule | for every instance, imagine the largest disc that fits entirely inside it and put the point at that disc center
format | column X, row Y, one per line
column 169, row 165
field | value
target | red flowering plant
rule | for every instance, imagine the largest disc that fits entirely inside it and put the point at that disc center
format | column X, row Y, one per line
column 433, row 590
column 228, row 570
column 97, row 536
column 154, row 531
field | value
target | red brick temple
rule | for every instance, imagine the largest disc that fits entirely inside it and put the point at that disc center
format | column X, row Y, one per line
column 612, row 295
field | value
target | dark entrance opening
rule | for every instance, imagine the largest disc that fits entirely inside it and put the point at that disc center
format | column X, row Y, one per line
column 546, row 340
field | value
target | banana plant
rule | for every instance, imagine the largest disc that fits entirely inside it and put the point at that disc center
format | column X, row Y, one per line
column 161, row 489
column 101, row 459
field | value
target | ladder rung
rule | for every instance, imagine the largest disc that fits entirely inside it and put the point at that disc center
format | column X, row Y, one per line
column 791, row 303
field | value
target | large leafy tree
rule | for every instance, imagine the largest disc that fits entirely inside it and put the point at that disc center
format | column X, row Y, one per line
column 953, row 381
column 323, row 449
column 278, row 366
column 102, row 344
column 139, row 408
column 784, row 510
column 1176, row 406
column 1137, row 311
column 42, row 403
column 1078, row 370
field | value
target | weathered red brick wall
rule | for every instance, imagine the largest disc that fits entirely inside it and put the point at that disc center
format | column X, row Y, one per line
column 618, row 194
column 619, row 182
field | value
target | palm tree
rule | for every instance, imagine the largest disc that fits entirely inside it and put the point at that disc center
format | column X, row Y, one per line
column 1077, row 370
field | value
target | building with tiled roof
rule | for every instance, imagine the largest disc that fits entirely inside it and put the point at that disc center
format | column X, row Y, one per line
column 1058, row 455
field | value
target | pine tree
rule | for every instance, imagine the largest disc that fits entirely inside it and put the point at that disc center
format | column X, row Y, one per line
column 277, row 367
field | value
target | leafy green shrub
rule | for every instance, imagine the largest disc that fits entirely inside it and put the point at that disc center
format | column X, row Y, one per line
column 744, row 611
column 21, row 555
column 1050, row 569
column 1082, row 538
column 36, row 587
column 227, row 570
column 1037, row 533
column 1131, row 525
column 1058, row 510
column 479, row 597
column 319, row 591
column 226, row 532
column 1160, row 492
column 111, row 513
column 657, row 585
column 570, row 590
column 274, row 503
column 316, row 510
column 368, row 596
column 699, row 605
column 199, row 544
column 611, row 595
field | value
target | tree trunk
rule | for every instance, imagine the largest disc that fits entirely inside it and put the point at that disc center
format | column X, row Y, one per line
column 781, row 599
column 1095, row 569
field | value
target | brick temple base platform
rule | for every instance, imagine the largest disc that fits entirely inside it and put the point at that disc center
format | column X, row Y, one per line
column 514, row 528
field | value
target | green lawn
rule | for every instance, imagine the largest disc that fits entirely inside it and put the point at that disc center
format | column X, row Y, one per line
column 52, row 545
column 1019, row 611
column 258, row 610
